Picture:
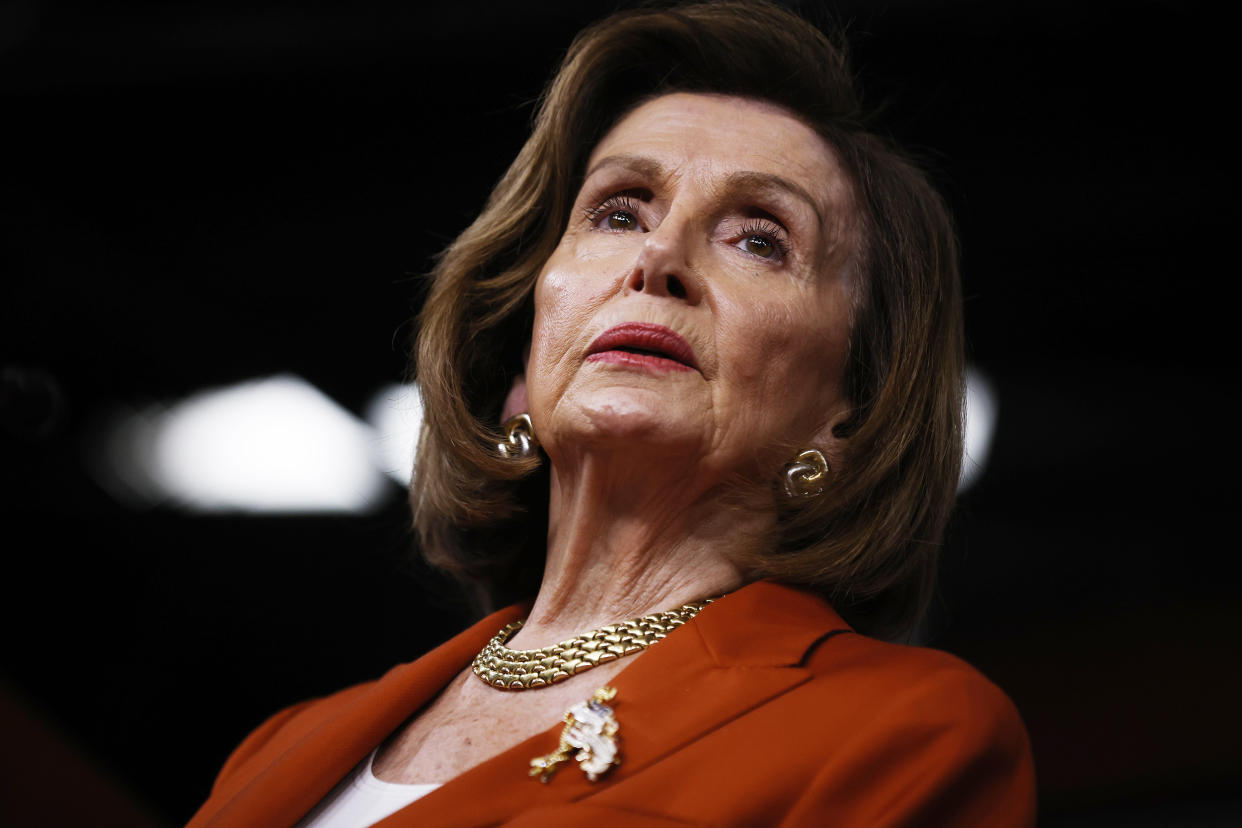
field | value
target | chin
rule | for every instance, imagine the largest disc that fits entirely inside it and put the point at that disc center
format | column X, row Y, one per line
column 631, row 419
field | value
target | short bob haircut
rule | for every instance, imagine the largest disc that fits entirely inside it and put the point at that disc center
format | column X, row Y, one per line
column 870, row 542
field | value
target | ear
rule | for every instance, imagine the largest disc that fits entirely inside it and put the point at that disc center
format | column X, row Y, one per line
column 826, row 439
column 515, row 402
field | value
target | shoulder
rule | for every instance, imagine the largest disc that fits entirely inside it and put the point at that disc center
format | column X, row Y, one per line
column 950, row 743
column 881, row 675
column 284, row 729
column 362, row 713
column 770, row 624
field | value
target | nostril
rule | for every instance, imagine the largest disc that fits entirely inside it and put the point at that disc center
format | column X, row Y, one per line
column 675, row 287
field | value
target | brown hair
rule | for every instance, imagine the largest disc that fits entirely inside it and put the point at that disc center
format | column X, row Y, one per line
column 870, row 542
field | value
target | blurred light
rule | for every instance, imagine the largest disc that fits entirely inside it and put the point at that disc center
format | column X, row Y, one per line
column 272, row 445
column 396, row 414
column 119, row 454
column 981, row 408
column 280, row 445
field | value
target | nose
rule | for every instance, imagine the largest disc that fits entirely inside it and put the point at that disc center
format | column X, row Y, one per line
column 663, row 266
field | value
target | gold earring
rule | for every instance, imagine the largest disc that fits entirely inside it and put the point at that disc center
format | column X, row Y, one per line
column 519, row 438
column 807, row 475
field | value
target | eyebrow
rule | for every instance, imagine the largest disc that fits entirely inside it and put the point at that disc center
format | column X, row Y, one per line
column 747, row 180
column 634, row 163
column 742, row 180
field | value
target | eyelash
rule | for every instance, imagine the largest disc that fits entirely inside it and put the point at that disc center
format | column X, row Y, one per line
column 615, row 203
column 770, row 231
column 625, row 202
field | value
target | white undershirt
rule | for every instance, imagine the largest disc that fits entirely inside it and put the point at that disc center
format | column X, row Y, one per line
column 360, row 799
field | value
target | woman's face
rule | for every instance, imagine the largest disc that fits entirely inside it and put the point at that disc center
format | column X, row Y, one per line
column 698, row 302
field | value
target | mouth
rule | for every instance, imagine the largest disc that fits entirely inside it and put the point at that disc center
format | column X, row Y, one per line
column 643, row 345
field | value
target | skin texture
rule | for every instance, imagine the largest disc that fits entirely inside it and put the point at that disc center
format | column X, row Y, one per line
column 728, row 221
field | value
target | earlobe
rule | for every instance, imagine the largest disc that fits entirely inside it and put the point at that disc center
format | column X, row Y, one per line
column 828, row 440
column 807, row 475
column 520, row 440
column 810, row 472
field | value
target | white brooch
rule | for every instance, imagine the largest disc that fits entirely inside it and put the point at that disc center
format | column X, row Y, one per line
column 591, row 729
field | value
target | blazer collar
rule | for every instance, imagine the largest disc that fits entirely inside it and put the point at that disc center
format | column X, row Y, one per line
column 737, row 653
column 766, row 624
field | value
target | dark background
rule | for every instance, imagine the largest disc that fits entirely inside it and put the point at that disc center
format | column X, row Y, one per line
column 197, row 194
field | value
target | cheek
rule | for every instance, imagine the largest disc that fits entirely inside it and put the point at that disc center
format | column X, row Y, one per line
column 549, row 304
column 785, row 361
column 766, row 341
column 565, row 300
column 546, row 347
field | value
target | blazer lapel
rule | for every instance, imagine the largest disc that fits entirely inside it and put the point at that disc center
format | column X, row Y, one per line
column 735, row 655
column 284, row 786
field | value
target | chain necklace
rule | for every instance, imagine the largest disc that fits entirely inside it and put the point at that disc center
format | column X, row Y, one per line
column 507, row 669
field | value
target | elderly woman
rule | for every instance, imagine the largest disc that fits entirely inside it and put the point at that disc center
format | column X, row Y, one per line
column 722, row 322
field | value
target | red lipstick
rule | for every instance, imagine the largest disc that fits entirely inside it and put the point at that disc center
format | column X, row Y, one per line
column 643, row 345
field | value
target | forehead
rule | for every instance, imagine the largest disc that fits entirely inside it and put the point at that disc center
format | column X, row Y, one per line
column 724, row 134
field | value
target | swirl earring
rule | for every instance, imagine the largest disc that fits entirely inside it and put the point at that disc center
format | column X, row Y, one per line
column 806, row 475
column 520, row 438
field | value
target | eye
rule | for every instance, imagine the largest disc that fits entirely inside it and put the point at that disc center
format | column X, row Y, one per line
column 764, row 239
column 617, row 214
column 764, row 248
column 619, row 220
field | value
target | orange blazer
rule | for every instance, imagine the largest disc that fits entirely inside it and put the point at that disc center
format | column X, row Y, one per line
column 766, row 709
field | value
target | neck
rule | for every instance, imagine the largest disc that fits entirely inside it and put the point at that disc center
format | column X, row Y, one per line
column 622, row 548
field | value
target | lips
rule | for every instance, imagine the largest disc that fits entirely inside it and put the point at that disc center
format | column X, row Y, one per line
column 645, row 345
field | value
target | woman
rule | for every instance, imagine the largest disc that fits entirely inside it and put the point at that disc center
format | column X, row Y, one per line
column 727, row 319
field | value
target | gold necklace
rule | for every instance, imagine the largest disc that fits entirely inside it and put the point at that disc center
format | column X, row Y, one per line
column 507, row 669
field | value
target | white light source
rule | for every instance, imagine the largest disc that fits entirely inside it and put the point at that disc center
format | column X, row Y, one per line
column 396, row 415
column 981, row 410
column 281, row 445
column 272, row 445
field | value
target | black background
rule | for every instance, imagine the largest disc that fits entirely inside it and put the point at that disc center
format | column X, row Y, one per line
column 199, row 194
